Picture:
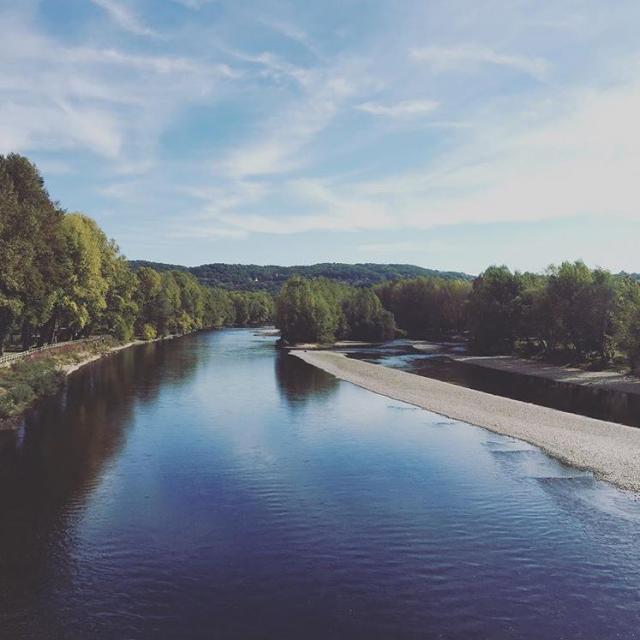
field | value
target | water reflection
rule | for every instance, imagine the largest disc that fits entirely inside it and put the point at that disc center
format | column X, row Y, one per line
column 299, row 382
column 199, row 489
column 48, row 467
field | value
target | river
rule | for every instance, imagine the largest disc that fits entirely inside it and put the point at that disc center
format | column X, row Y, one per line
column 211, row 487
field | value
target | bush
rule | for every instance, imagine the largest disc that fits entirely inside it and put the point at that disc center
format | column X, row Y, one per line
column 122, row 330
column 26, row 381
column 22, row 393
column 7, row 406
column 41, row 375
column 149, row 332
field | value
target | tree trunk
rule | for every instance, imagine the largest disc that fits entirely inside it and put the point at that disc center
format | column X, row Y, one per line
column 26, row 335
column 48, row 331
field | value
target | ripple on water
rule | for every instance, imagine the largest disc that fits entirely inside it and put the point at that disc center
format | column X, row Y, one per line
column 202, row 488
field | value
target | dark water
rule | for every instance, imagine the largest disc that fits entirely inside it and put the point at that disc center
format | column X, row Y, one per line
column 600, row 403
column 211, row 488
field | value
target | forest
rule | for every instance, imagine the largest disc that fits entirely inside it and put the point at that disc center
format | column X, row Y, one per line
column 271, row 278
column 61, row 278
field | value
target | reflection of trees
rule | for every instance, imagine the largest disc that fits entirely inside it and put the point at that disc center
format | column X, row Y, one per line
column 299, row 382
column 56, row 462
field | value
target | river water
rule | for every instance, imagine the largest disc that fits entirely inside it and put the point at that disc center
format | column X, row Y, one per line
column 210, row 487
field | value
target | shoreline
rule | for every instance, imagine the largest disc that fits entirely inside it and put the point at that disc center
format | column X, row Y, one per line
column 610, row 450
column 12, row 423
column 607, row 379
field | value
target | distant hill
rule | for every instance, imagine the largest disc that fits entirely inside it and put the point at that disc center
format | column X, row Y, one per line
column 251, row 277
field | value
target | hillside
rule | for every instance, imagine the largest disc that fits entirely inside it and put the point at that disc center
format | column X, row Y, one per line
column 251, row 277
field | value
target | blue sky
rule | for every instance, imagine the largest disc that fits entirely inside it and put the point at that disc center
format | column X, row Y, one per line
column 451, row 134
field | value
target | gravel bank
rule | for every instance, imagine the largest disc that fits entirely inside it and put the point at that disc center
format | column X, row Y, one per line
column 611, row 451
column 610, row 380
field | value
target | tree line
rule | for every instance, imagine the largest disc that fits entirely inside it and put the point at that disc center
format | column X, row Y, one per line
column 61, row 277
column 271, row 278
column 322, row 310
column 585, row 314
column 572, row 311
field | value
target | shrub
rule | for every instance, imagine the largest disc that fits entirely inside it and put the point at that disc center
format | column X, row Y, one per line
column 41, row 375
column 149, row 332
column 122, row 330
column 22, row 394
column 7, row 406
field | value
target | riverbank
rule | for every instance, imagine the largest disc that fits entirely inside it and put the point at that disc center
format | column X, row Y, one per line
column 26, row 381
column 611, row 451
column 608, row 379
column 318, row 346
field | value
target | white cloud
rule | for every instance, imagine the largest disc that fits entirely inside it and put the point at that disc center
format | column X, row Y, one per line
column 58, row 125
column 123, row 17
column 195, row 5
column 465, row 57
column 281, row 140
column 406, row 108
column 580, row 158
column 275, row 68
column 111, row 102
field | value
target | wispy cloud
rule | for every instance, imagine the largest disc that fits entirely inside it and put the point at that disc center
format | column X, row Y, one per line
column 123, row 17
column 58, row 96
column 465, row 57
column 194, row 5
column 256, row 120
column 406, row 108
column 278, row 146
column 274, row 67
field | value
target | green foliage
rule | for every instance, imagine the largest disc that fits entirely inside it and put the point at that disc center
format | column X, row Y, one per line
column 494, row 310
column 322, row 310
column 30, row 239
column 572, row 308
column 427, row 307
column 270, row 278
column 365, row 318
column 149, row 332
column 62, row 278
column 27, row 380
column 7, row 406
column 627, row 321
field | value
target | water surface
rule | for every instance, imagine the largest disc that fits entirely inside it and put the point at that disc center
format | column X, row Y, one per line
column 211, row 487
column 595, row 402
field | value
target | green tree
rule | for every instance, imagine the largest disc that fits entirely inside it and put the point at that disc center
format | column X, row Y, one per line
column 365, row 317
column 495, row 310
column 627, row 322
column 30, row 229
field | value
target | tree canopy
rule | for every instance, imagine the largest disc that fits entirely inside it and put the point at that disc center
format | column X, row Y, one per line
column 62, row 278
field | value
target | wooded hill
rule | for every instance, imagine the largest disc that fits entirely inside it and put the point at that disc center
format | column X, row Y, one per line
column 251, row 277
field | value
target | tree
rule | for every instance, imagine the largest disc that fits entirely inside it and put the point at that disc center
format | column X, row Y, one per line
column 427, row 307
column 81, row 300
column 365, row 317
column 321, row 311
column 627, row 325
column 495, row 310
column 303, row 315
column 30, row 229
column 581, row 302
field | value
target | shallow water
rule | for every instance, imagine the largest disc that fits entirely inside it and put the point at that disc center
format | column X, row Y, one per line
column 210, row 487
